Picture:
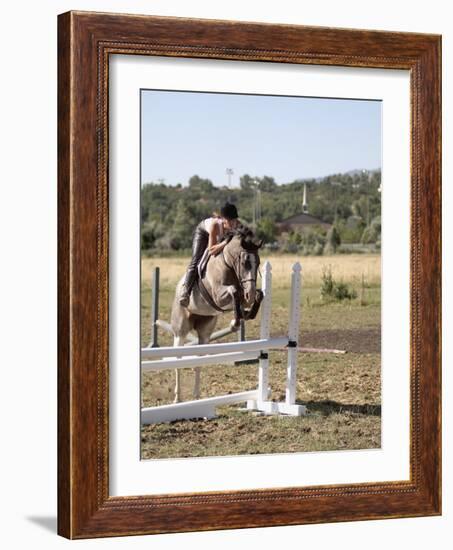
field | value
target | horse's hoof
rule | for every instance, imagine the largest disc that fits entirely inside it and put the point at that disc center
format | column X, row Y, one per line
column 235, row 325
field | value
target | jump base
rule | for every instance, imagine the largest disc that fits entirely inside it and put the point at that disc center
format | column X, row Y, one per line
column 273, row 407
column 201, row 408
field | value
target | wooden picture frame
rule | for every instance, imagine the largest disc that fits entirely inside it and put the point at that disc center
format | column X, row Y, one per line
column 85, row 42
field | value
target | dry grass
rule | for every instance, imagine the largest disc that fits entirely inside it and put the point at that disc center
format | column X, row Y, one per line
column 342, row 396
column 342, row 392
column 346, row 267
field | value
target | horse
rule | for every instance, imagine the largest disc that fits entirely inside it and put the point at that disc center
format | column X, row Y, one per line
column 227, row 283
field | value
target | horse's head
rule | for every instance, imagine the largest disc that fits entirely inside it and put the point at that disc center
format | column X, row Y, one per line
column 241, row 253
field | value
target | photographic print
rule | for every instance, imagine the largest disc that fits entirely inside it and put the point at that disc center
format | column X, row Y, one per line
column 261, row 257
column 222, row 220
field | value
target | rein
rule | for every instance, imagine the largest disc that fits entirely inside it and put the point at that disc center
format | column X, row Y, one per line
column 240, row 281
column 237, row 273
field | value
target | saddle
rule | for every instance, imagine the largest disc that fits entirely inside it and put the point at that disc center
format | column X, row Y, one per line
column 203, row 263
column 201, row 268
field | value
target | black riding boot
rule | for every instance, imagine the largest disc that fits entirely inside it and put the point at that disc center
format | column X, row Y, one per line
column 191, row 277
column 199, row 244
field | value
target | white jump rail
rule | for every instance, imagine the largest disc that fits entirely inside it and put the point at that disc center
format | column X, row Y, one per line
column 201, row 408
column 211, row 349
column 198, row 361
column 154, row 359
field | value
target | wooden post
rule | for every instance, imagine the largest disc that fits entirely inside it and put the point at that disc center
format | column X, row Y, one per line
column 265, row 332
column 293, row 334
column 154, row 308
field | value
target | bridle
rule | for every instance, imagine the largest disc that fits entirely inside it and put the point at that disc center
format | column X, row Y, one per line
column 236, row 269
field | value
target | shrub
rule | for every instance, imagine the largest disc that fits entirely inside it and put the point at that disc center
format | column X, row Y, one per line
column 331, row 290
column 342, row 291
column 327, row 283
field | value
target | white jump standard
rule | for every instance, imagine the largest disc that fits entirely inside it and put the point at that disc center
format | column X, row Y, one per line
column 212, row 354
column 289, row 406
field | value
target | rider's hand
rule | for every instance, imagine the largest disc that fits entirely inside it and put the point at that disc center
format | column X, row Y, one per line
column 215, row 249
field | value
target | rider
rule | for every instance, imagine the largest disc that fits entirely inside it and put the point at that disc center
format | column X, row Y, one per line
column 207, row 234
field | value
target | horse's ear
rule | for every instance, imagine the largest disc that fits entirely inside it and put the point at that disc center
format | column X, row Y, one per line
column 251, row 245
column 258, row 243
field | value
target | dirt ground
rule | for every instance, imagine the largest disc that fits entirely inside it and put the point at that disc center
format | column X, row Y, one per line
column 342, row 392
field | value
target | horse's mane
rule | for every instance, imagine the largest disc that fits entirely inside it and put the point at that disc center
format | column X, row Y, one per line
column 247, row 236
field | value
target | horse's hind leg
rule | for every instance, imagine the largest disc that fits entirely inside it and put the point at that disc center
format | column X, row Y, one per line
column 181, row 325
column 205, row 327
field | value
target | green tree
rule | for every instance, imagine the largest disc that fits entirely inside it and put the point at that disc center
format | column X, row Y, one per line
column 266, row 230
column 333, row 241
column 267, row 184
column 372, row 233
column 201, row 184
column 356, row 196
column 147, row 237
column 246, row 183
column 183, row 224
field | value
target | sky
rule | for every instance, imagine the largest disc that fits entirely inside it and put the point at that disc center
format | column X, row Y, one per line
column 287, row 138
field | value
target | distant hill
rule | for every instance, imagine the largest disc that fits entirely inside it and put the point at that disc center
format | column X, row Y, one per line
column 169, row 213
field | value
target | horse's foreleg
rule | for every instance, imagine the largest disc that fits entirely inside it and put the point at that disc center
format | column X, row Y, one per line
column 224, row 296
column 253, row 311
column 236, row 323
column 178, row 341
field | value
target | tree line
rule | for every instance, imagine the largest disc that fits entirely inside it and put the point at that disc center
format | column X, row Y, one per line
column 350, row 202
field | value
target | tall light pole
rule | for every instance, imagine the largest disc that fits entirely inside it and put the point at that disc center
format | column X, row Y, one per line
column 258, row 205
column 256, row 210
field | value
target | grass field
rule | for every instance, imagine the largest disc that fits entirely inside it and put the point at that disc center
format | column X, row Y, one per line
column 342, row 392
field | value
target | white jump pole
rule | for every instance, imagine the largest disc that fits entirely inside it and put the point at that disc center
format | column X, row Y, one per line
column 212, row 349
column 289, row 405
column 293, row 335
column 187, row 410
column 198, row 361
column 265, row 332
